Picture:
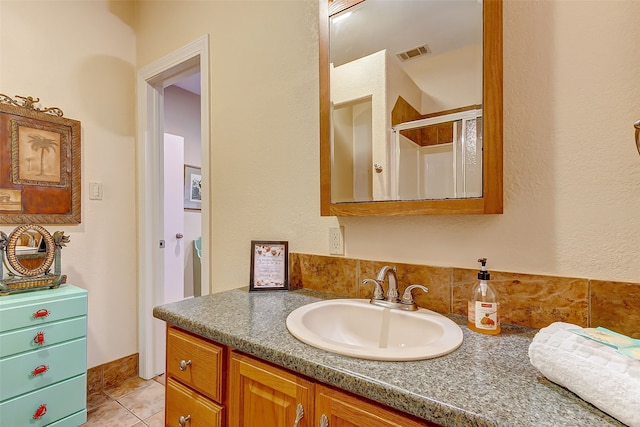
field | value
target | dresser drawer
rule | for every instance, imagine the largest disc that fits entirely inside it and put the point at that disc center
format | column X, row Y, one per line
column 200, row 359
column 47, row 405
column 24, row 373
column 21, row 340
column 75, row 420
column 184, row 402
column 40, row 307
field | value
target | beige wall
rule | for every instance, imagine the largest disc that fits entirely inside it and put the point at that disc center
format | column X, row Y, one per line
column 572, row 175
column 80, row 56
column 264, row 121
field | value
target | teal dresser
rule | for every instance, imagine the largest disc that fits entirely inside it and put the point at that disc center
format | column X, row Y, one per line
column 43, row 358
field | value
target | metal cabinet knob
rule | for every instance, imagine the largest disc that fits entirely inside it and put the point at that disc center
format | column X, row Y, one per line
column 183, row 420
column 184, row 364
column 179, row 236
column 324, row 421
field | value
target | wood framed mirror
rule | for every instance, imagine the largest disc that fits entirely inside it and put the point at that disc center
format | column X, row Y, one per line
column 30, row 250
column 29, row 253
column 382, row 195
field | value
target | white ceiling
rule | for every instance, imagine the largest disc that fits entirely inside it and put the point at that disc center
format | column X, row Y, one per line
column 192, row 84
column 401, row 25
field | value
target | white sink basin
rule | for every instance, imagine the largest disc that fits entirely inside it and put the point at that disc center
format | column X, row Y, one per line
column 356, row 328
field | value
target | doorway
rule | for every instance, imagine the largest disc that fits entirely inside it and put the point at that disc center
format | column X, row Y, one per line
column 151, row 82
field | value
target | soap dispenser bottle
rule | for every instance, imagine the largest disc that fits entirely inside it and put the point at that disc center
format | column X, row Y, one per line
column 483, row 315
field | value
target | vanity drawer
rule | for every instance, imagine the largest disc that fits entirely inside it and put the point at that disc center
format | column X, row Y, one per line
column 183, row 402
column 201, row 362
column 47, row 405
column 50, row 365
column 18, row 341
column 40, row 307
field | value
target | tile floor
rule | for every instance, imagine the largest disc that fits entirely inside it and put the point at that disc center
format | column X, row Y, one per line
column 134, row 403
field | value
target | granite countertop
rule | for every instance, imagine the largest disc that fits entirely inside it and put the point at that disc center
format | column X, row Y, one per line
column 488, row 381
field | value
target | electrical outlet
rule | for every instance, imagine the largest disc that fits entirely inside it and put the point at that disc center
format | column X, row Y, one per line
column 336, row 240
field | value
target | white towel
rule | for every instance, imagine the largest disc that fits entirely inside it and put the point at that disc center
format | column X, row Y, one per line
column 595, row 372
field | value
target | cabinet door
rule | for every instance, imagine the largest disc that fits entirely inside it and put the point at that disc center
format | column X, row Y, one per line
column 345, row 410
column 185, row 407
column 263, row 395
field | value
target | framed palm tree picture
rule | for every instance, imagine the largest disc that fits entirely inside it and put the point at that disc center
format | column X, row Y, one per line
column 39, row 164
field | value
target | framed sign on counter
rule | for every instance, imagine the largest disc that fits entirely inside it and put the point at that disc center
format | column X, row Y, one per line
column 269, row 265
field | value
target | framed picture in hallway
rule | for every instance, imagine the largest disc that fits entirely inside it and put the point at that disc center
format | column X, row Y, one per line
column 192, row 188
column 269, row 265
column 40, row 164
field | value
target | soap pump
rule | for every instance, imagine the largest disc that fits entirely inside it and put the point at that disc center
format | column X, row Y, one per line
column 483, row 306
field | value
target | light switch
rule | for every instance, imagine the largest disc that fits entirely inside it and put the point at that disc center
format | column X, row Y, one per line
column 95, row 191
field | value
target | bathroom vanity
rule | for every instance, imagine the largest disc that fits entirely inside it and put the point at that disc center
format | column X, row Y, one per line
column 43, row 358
column 205, row 380
column 259, row 368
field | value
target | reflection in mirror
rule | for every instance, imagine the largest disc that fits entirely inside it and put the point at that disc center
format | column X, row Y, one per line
column 31, row 249
column 393, row 70
column 395, row 62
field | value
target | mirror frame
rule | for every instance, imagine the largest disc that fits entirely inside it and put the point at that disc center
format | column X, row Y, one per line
column 492, row 200
column 12, row 257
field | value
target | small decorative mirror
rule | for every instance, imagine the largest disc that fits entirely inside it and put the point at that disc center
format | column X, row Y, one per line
column 28, row 253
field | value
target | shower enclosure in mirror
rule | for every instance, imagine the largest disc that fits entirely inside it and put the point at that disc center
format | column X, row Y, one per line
column 411, row 107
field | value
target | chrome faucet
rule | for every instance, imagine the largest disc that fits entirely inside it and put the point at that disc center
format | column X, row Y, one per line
column 392, row 300
column 392, row 289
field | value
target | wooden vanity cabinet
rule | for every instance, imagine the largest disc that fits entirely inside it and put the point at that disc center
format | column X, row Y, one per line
column 261, row 394
column 257, row 393
column 335, row 408
column 195, row 375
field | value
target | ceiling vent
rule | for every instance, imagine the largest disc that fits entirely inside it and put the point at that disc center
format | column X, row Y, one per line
column 414, row 53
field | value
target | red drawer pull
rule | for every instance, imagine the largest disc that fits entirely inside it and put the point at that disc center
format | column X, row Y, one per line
column 42, row 409
column 43, row 312
column 39, row 370
column 39, row 338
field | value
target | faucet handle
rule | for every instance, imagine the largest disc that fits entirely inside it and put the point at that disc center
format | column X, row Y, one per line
column 407, row 298
column 378, row 292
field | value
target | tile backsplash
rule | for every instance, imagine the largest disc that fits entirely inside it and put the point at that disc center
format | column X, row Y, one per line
column 525, row 299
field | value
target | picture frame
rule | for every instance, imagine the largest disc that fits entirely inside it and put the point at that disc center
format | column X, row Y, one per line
column 192, row 188
column 269, row 265
column 40, row 164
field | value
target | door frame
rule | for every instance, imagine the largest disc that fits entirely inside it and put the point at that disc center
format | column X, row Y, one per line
column 151, row 81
